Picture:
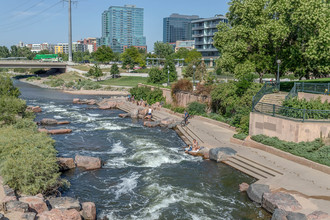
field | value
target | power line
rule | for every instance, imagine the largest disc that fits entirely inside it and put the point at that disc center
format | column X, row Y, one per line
column 13, row 27
column 34, row 5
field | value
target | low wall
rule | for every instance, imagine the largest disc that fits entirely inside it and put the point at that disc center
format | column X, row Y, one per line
column 183, row 98
column 309, row 96
column 287, row 130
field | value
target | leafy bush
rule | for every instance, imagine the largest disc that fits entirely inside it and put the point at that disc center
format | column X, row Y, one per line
column 196, row 108
column 240, row 136
column 315, row 150
column 11, row 108
column 95, row 72
column 28, row 160
column 145, row 93
column 312, row 104
column 156, row 76
column 32, row 78
column 181, row 85
column 178, row 109
column 233, row 100
column 54, row 82
column 114, row 70
column 7, row 88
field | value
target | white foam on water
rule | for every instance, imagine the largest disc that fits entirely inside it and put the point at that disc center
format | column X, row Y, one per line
column 93, row 115
column 127, row 185
column 58, row 117
column 109, row 126
column 117, row 148
column 117, row 162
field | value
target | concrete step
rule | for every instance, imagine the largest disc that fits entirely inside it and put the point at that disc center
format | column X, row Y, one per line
column 244, row 170
column 186, row 134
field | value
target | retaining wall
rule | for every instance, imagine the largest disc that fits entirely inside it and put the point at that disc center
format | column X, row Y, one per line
column 183, row 98
column 287, row 130
column 309, row 96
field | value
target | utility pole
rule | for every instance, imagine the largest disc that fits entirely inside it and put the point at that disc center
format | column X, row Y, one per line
column 70, row 33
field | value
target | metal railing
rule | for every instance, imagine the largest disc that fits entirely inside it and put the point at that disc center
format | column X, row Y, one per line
column 317, row 88
column 268, row 88
column 293, row 92
column 293, row 113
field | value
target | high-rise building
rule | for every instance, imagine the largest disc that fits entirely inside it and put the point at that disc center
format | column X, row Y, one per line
column 177, row 27
column 122, row 26
column 203, row 33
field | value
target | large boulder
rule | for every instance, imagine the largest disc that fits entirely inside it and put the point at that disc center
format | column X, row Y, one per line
column 57, row 214
column 65, row 163
column 35, row 203
column 28, row 216
column 59, row 131
column 76, row 101
column 107, row 104
column 166, row 122
column 279, row 200
column 16, row 206
column 256, row 191
column 134, row 113
column 64, row 203
column 88, row 211
column 63, row 122
column 35, row 109
column 2, row 217
column 89, row 163
column 8, row 191
column 151, row 124
column 243, row 187
column 279, row 214
column 48, row 121
column 124, row 115
column 221, row 153
column 318, row 215
column 296, row 216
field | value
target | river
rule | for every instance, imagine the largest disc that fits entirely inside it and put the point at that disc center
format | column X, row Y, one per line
column 144, row 175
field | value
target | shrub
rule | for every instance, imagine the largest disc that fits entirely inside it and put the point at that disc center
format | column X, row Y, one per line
column 315, row 150
column 88, row 85
column 181, row 85
column 313, row 104
column 11, row 108
column 7, row 88
column 196, row 108
column 240, row 136
column 114, row 70
column 54, row 82
column 156, row 76
column 145, row 93
column 32, row 78
column 178, row 109
column 28, row 160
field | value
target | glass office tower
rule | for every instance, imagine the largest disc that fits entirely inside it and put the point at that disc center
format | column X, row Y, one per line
column 122, row 26
column 177, row 27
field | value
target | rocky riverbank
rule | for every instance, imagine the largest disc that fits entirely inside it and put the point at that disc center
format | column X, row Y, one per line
column 21, row 207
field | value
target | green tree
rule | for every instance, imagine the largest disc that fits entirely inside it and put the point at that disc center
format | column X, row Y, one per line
column 4, row 52
column 132, row 55
column 7, row 87
column 170, row 66
column 156, row 76
column 263, row 31
column 103, row 54
column 114, row 70
column 163, row 50
column 193, row 56
column 44, row 52
column 95, row 72
column 201, row 71
column 189, row 70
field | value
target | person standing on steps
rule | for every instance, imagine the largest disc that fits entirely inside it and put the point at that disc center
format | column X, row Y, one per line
column 186, row 116
column 150, row 112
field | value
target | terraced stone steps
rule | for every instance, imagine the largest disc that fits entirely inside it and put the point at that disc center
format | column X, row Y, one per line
column 252, row 168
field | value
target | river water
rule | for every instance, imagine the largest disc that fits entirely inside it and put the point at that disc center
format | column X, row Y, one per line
column 144, row 176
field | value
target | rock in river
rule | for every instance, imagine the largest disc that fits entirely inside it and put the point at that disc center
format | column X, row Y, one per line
column 287, row 202
column 88, row 211
column 66, row 163
column 64, row 203
column 256, row 191
column 221, row 153
column 89, row 163
column 35, row 203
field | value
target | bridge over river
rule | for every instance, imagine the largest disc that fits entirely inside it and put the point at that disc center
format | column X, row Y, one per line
column 33, row 64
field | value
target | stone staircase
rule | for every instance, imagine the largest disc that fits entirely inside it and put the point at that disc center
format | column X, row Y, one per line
column 251, row 168
column 270, row 100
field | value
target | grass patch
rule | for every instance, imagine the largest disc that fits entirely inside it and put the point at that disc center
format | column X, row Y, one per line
column 82, row 67
column 240, row 136
column 33, row 78
column 315, row 151
column 129, row 81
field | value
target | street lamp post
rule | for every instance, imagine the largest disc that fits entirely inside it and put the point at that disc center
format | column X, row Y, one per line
column 168, row 75
column 194, row 68
column 278, row 73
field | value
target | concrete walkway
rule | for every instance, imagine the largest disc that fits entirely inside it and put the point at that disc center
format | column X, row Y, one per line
column 309, row 186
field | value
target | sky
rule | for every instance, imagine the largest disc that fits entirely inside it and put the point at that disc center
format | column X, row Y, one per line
column 39, row 21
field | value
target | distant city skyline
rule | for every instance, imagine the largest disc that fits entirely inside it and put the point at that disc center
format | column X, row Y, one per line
column 39, row 21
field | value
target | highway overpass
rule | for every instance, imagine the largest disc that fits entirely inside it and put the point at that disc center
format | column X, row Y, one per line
column 32, row 64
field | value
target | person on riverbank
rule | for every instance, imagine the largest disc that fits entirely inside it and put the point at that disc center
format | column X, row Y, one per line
column 150, row 112
column 186, row 116
column 195, row 146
